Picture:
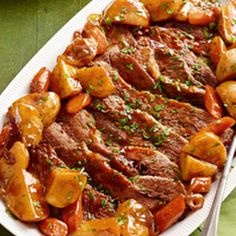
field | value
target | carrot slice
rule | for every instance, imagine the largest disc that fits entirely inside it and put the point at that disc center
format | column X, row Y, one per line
column 212, row 102
column 53, row 227
column 170, row 213
column 78, row 102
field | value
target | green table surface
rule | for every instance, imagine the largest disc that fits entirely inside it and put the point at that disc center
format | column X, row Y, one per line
column 25, row 26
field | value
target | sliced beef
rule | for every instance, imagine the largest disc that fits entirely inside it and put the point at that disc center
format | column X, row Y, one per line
column 66, row 148
column 42, row 159
column 162, row 188
column 96, row 205
column 151, row 162
column 174, row 39
column 81, row 127
column 132, row 71
column 120, row 36
column 141, row 124
column 97, row 167
column 196, row 38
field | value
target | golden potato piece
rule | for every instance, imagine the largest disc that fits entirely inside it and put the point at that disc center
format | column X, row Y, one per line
column 182, row 14
column 96, row 81
column 129, row 12
column 18, row 159
column 208, row 147
column 226, row 24
column 63, row 80
column 192, row 167
column 28, row 122
column 135, row 218
column 24, row 197
column 105, row 226
column 226, row 68
column 227, row 93
column 160, row 10
column 64, row 186
column 47, row 104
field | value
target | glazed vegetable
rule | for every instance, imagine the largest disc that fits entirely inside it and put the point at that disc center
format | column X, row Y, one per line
column 192, row 167
column 129, row 12
column 106, row 226
column 96, row 81
column 200, row 185
column 195, row 201
column 197, row 16
column 208, row 147
column 47, row 104
column 226, row 25
column 134, row 219
column 182, row 14
column 78, row 102
column 73, row 215
column 63, row 80
column 160, row 10
column 28, row 122
column 227, row 93
column 64, row 186
column 53, row 227
column 212, row 102
column 170, row 213
column 80, row 52
column 93, row 29
column 17, row 159
column 41, row 81
column 219, row 126
column 217, row 47
column 24, row 197
column 226, row 68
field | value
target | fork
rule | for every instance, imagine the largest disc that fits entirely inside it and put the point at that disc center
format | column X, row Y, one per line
column 211, row 225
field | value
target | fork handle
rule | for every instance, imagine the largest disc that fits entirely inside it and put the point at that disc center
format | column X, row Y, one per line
column 211, row 225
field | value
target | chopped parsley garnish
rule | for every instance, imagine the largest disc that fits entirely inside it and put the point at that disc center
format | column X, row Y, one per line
column 130, row 66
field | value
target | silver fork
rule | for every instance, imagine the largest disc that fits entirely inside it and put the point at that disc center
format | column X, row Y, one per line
column 211, row 225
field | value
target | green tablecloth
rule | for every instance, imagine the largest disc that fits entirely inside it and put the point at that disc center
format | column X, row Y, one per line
column 25, row 26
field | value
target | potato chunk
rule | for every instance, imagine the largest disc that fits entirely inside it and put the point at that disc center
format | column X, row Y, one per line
column 227, row 93
column 28, row 122
column 63, row 80
column 160, row 10
column 47, row 104
column 18, row 158
column 134, row 218
column 226, row 68
column 24, row 197
column 192, row 167
column 64, row 186
column 106, row 226
column 93, row 29
column 226, row 25
column 129, row 12
column 96, row 81
column 182, row 14
column 208, row 147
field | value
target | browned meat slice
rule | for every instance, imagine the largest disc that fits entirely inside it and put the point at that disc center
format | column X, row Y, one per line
column 179, row 91
column 172, row 38
column 141, row 124
column 96, row 205
column 97, row 167
column 120, row 36
column 132, row 71
column 151, row 162
column 196, row 38
column 106, row 56
column 65, row 146
column 42, row 159
column 81, row 127
column 162, row 188
column 113, row 134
